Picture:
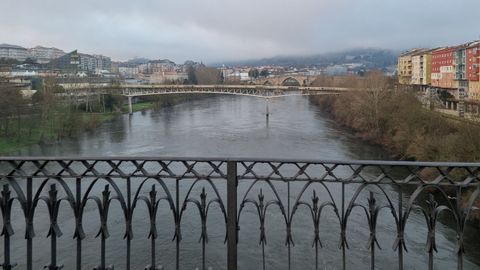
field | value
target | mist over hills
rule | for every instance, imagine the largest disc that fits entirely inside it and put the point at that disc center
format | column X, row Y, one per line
column 370, row 58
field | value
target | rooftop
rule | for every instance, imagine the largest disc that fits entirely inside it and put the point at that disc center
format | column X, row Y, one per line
column 9, row 46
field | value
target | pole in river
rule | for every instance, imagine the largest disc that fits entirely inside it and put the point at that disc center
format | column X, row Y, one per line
column 267, row 112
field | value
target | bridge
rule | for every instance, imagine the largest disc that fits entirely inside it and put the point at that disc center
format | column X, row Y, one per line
column 260, row 91
column 286, row 80
column 228, row 190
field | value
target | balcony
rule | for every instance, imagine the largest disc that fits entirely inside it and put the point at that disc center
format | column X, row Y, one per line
column 179, row 191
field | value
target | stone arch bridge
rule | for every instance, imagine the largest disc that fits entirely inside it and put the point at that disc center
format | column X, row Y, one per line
column 286, row 80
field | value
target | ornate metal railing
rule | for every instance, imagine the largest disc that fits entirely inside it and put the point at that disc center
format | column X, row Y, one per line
column 314, row 194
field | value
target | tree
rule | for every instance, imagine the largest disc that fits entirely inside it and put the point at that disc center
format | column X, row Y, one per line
column 11, row 105
column 208, row 76
column 444, row 95
column 253, row 73
column 264, row 73
column 192, row 78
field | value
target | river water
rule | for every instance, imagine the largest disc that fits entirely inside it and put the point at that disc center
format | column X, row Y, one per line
column 233, row 126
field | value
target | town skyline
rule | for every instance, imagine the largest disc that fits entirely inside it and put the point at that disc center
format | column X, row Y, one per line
column 215, row 31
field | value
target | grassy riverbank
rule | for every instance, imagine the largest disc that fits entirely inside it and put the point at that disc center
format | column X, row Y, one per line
column 33, row 130
column 52, row 123
column 139, row 106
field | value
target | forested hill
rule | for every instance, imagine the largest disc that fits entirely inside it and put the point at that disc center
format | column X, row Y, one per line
column 371, row 58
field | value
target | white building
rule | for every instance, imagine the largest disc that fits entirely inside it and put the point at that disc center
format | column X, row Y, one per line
column 128, row 72
column 44, row 55
column 23, row 73
column 13, row 52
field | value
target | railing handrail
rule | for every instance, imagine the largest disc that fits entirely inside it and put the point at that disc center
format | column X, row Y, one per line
column 240, row 159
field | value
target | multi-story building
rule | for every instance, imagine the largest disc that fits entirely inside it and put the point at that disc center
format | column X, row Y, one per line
column 157, row 66
column 472, row 70
column 13, row 52
column 448, row 68
column 421, row 67
column 443, row 68
column 165, row 77
column 44, row 55
column 128, row 72
column 102, row 63
column 404, row 66
column 87, row 62
column 74, row 62
column 459, row 62
column 67, row 63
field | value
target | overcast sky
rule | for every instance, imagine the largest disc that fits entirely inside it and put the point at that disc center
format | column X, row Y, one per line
column 221, row 30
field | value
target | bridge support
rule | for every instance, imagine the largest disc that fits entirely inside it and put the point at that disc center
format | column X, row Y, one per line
column 130, row 109
column 461, row 102
column 267, row 111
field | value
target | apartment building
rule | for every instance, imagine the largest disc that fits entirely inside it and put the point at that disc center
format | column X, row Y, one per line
column 13, row 52
column 472, row 70
column 405, row 66
column 44, row 55
column 443, row 68
column 421, row 67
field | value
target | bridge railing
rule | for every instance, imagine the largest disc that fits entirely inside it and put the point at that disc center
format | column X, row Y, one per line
column 325, row 198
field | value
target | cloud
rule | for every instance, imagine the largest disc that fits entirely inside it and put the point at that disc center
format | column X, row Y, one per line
column 217, row 30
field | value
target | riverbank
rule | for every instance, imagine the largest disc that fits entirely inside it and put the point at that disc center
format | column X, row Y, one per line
column 27, row 133
column 63, row 123
column 398, row 122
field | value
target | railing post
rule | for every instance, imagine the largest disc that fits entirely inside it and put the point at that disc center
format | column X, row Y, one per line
column 29, row 226
column 232, row 182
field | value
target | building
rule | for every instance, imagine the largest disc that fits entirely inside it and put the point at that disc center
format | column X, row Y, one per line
column 44, row 55
column 460, row 66
column 421, row 67
column 13, row 52
column 473, row 70
column 103, row 63
column 157, row 66
column 128, row 72
column 73, row 62
column 165, row 77
column 443, row 68
column 404, row 66
column 87, row 62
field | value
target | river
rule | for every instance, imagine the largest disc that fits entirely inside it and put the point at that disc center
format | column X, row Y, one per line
column 233, row 126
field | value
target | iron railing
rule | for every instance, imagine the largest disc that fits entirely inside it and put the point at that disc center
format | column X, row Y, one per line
column 233, row 188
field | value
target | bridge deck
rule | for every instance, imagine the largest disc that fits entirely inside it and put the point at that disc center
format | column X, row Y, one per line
column 131, row 90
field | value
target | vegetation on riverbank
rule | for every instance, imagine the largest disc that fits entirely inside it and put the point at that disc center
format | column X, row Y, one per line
column 47, row 118
column 397, row 121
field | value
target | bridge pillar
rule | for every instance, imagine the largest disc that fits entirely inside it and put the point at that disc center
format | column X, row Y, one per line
column 267, row 111
column 461, row 103
column 130, row 109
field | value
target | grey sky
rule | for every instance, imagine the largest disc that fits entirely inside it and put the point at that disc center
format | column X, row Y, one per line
column 217, row 30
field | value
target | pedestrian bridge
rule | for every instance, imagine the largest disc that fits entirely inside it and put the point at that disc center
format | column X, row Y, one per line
column 267, row 92
column 130, row 90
